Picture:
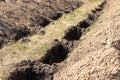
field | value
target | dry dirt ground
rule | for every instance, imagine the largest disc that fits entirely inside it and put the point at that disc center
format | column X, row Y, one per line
column 44, row 68
column 38, row 44
column 24, row 18
column 97, row 56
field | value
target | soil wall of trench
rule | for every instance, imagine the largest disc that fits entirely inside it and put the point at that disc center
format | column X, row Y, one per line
column 23, row 18
column 44, row 68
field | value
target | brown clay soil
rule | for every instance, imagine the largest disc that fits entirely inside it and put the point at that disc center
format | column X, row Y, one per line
column 24, row 18
column 97, row 56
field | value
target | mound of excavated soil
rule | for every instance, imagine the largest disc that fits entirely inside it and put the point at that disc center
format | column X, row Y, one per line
column 27, row 17
column 36, row 70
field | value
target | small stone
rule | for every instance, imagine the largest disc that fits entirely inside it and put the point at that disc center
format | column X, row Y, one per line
column 116, row 44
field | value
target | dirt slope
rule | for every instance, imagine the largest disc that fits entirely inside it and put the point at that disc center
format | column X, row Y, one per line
column 98, row 55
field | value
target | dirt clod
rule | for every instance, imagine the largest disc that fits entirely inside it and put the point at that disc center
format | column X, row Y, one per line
column 55, row 54
column 73, row 33
column 32, row 70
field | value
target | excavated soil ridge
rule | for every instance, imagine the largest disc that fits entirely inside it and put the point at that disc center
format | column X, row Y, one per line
column 44, row 68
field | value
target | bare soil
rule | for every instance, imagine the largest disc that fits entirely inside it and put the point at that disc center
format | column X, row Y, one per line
column 44, row 68
column 97, row 56
column 24, row 18
column 88, row 51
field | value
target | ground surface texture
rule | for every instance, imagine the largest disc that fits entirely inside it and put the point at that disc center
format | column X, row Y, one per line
column 97, row 56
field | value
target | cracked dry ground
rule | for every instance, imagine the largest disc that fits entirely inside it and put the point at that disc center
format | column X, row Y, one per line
column 98, row 55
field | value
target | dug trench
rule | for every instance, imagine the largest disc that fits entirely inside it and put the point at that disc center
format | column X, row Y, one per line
column 45, row 67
